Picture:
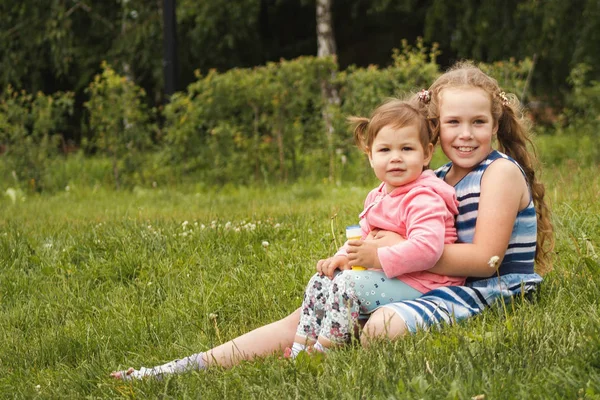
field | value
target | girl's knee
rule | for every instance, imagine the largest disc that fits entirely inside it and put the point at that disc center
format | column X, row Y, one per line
column 383, row 323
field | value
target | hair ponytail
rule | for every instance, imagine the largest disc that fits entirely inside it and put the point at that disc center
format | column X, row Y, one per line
column 514, row 141
column 361, row 126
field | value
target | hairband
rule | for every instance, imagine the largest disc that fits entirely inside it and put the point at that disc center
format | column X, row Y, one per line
column 424, row 96
column 504, row 99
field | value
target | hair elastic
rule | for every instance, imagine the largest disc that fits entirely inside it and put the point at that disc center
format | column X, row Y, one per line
column 424, row 96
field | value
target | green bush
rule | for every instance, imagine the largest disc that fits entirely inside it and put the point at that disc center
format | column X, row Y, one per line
column 577, row 133
column 30, row 135
column 510, row 74
column 120, row 124
column 248, row 125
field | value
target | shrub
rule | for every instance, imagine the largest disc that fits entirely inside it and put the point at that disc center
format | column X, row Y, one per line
column 30, row 134
column 248, row 125
column 120, row 123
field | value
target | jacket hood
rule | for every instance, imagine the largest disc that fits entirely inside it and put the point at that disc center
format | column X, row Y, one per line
column 428, row 179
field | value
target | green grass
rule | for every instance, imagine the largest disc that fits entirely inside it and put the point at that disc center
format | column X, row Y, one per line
column 92, row 280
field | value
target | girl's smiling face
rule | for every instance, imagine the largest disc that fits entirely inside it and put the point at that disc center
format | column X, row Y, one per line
column 397, row 155
column 466, row 128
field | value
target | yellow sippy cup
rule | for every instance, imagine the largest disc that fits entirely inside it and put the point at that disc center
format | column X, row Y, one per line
column 353, row 232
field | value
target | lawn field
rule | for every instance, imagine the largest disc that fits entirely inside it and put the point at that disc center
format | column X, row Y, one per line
column 92, row 280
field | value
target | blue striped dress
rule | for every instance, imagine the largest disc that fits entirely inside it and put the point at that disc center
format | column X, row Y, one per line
column 455, row 303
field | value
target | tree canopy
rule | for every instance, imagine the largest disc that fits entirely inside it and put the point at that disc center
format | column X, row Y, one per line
column 50, row 45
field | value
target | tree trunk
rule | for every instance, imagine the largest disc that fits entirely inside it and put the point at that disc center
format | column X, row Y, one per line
column 326, row 47
column 325, row 39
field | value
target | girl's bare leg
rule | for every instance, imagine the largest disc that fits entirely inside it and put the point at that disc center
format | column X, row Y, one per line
column 383, row 323
column 260, row 342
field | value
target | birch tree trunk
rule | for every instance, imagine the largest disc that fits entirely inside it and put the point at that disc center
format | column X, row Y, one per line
column 326, row 47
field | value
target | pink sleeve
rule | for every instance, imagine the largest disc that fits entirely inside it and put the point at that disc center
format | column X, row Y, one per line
column 424, row 213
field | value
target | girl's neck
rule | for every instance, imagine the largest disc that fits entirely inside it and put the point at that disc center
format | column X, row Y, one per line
column 454, row 175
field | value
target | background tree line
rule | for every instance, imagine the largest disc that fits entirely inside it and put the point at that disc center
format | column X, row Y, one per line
column 250, row 108
column 50, row 45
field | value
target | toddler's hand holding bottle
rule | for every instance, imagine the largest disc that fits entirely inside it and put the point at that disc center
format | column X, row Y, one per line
column 354, row 232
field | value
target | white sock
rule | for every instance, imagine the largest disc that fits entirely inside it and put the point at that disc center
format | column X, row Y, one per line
column 297, row 348
column 320, row 348
column 190, row 363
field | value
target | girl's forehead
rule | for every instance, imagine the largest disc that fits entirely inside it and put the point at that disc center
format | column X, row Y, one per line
column 469, row 97
column 469, row 91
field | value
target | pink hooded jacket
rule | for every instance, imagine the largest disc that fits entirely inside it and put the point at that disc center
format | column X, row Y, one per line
column 422, row 212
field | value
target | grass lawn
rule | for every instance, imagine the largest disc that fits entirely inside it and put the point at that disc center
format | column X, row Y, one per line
column 95, row 280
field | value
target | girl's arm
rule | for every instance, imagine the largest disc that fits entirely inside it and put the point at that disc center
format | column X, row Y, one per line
column 503, row 193
column 423, row 212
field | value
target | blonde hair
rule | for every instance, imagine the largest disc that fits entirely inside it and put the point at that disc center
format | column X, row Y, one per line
column 513, row 140
column 395, row 113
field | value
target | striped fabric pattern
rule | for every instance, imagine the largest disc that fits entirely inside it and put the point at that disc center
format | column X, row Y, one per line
column 520, row 255
column 447, row 305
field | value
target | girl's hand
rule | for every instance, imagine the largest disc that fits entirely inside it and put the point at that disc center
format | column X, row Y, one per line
column 363, row 253
column 384, row 238
column 328, row 266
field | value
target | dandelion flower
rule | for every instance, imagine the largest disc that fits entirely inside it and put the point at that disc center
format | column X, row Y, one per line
column 265, row 244
column 493, row 262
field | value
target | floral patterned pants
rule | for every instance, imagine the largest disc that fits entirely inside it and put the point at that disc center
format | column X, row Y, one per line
column 331, row 308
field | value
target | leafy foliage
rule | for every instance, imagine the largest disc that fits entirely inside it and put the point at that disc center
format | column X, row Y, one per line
column 254, row 125
column 248, row 125
column 120, row 122
column 30, row 134
column 580, row 120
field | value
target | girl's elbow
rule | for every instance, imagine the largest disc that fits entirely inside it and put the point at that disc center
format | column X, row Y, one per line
column 491, row 267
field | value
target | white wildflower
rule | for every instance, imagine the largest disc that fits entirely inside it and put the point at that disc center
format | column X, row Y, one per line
column 277, row 226
column 265, row 244
column 493, row 262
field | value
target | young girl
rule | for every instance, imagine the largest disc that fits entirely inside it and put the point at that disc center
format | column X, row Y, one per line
column 498, row 196
column 411, row 202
